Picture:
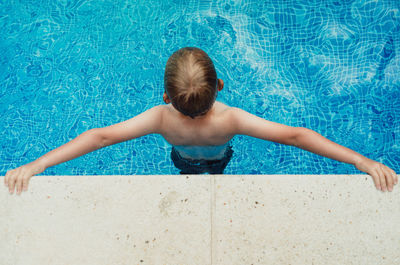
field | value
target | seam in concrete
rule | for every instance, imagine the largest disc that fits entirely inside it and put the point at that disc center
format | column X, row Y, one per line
column 212, row 214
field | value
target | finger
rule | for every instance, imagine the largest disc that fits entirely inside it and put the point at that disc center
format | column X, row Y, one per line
column 393, row 174
column 18, row 185
column 11, row 176
column 375, row 178
column 389, row 177
column 8, row 181
column 395, row 177
column 25, row 182
column 381, row 179
column 11, row 183
column 7, row 177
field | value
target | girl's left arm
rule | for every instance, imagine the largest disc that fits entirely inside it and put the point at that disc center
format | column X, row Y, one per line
column 312, row 141
column 242, row 122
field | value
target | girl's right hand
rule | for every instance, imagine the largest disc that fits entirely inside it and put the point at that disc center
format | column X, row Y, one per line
column 383, row 176
column 19, row 177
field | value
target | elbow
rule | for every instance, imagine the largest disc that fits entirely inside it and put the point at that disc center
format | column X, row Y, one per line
column 97, row 137
column 298, row 133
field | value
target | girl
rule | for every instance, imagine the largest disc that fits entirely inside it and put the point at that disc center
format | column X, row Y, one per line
column 199, row 128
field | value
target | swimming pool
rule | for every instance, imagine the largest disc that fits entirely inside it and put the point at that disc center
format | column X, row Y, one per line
column 69, row 66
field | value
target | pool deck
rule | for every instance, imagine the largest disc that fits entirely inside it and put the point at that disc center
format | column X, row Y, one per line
column 200, row 219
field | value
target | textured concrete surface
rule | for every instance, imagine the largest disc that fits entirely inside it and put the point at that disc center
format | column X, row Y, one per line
column 200, row 219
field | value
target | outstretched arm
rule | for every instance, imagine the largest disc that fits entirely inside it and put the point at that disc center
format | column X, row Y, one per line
column 382, row 175
column 145, row 123
column 249, row 124
column 89, row 141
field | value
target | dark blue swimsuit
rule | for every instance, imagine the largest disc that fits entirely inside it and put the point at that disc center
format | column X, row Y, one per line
column 188, row 165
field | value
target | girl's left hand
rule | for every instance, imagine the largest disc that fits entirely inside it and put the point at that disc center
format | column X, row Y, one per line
column 383, row 176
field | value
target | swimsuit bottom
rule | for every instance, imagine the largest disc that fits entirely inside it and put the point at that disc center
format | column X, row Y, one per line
column 201, row 166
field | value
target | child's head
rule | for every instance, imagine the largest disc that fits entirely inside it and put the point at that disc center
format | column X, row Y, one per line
column 190, row 81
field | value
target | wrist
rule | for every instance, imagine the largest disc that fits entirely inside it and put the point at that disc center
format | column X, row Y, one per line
column 358, row 159
column 39, row 165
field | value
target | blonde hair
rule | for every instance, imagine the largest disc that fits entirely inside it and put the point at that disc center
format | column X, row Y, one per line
column 190, row 81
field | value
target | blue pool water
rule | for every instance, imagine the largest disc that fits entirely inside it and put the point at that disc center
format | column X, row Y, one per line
column 69, row 66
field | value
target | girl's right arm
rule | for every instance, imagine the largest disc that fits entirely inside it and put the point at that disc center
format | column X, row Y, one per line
column 89, row 141
column 19, row 177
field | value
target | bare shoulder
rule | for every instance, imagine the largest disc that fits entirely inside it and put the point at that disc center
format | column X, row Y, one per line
column 243, row 122
column 226, row 110
column 155, row 113
column 160, row 109
column 225, row 116
column 142, row 124
column 221, row 107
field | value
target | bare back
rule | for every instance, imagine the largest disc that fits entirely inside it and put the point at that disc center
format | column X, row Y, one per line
column 211, row 129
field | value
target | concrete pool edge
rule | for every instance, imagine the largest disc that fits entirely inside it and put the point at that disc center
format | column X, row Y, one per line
column 201, row 219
